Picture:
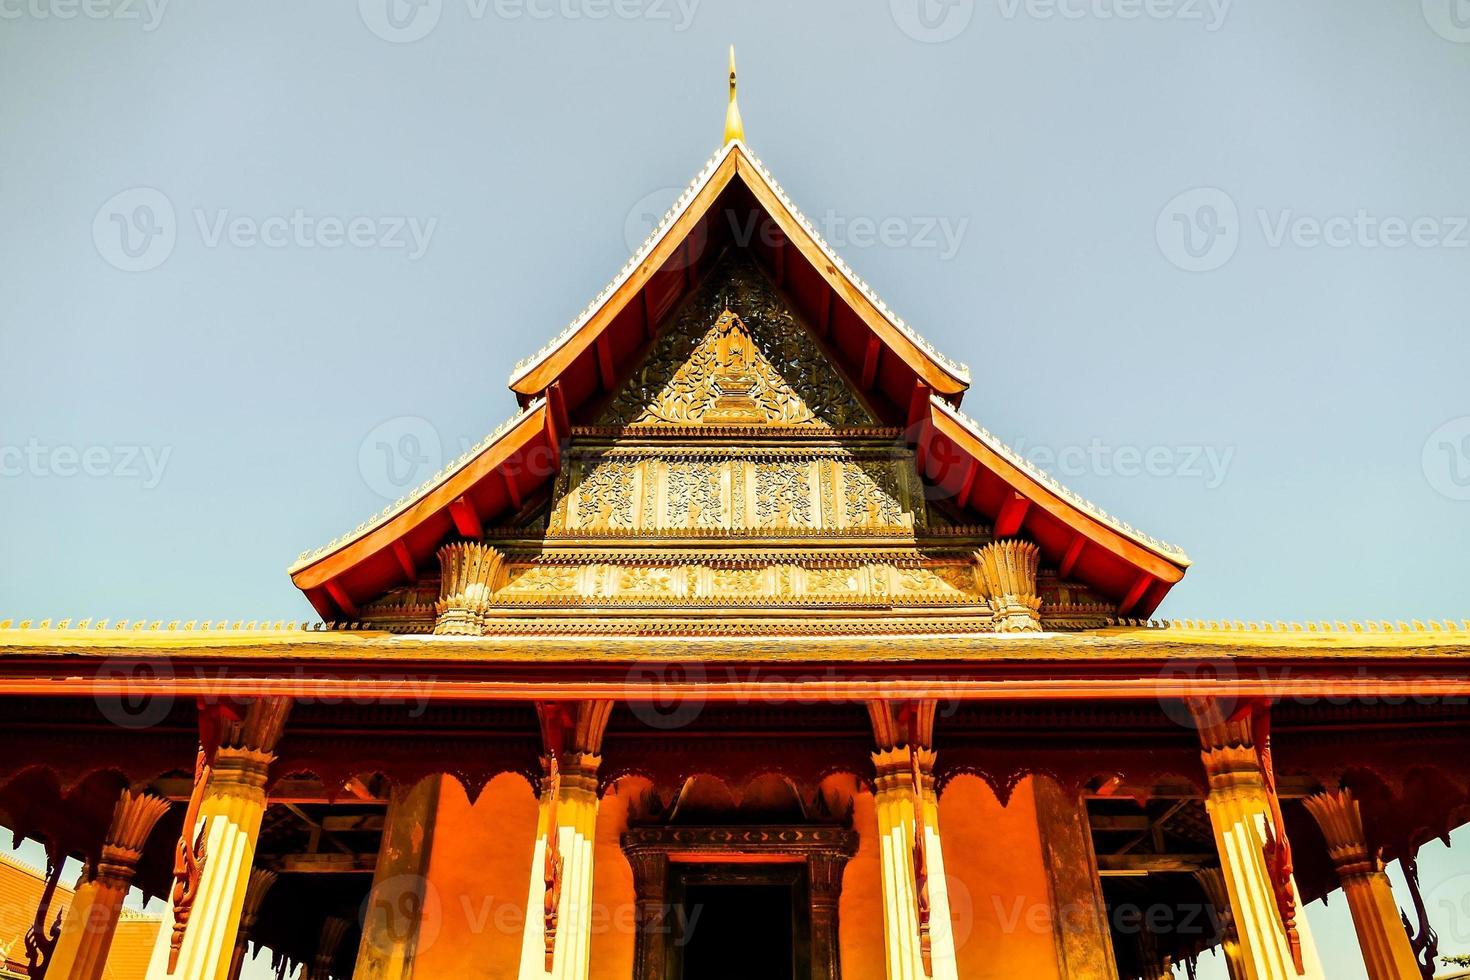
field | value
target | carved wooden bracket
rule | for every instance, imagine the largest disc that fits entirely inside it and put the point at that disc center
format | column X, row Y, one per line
column 40, row 942
column 471, row 572
column 1423, row 939
column 1277, row 849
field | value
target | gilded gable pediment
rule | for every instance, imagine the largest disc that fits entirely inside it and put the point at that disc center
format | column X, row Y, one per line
column 736, row 354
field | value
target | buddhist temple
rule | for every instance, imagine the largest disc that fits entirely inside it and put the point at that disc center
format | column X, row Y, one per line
column 739, row 650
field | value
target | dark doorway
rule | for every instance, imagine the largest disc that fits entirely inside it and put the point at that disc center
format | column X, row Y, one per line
column 740, row 921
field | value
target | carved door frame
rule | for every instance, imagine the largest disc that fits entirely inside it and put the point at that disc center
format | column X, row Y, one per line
column 656, row 853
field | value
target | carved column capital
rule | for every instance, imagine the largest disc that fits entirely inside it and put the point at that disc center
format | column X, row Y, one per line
column 1005, row 574
column 895, row 770
column 470, row 573
column 1341, row 820
column 1227, row 746
column 133, row 819
column 248, row 746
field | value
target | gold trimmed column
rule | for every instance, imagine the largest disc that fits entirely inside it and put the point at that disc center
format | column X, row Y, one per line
column 261, row 881
column 1250, row 837
column 917, row 937
column 556, row 944
column 470, row 573
column 91, row 921
column 1386, row 950
column 396, row 904
column 230, row 810
column 1005, row 573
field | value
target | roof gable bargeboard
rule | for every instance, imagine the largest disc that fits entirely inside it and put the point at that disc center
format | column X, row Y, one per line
column 805, row 345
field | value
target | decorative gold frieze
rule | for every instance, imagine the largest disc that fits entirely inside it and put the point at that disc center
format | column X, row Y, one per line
column 1005, row 573
column 736, row 354
column 471, row 572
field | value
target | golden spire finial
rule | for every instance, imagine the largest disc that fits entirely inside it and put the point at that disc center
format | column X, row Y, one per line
column 734, row 127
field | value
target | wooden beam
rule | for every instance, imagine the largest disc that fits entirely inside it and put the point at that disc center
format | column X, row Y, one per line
column 1069, row 560
column 1135, row 595
column 827, row 311
column 781, row 262
column 1116, row 822
column 605, row 363
column 1134, row 864
column 405, row 560
column 512, row 487
column 309, row 864
column 870, row 363
column 648, row 324
column 1012, row 514
column 366, row 822
column 962, row 499
column 466, row 521
column 341, row 598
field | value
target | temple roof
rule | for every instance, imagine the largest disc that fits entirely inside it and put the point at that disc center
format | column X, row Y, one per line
column 917, row 389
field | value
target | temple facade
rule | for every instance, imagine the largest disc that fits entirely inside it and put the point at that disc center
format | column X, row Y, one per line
column 738, row 651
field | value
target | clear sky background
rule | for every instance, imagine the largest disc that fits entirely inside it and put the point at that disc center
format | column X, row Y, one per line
column 1226, row 237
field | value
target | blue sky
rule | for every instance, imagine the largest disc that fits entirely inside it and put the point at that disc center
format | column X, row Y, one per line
column 264, row 266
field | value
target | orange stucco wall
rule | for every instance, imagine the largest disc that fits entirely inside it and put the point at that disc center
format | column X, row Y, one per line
column 479, row 875
column 860, row 908
column 999, row 897
column 613, row 896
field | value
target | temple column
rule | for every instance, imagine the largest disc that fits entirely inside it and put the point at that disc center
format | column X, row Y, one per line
column 558, row 942
column 390, row 928
column 824, row 873
column 261, row 882
column 1387, row 953
column 1255, row 856
column 651, row 884
column 1084, row 941
column 91, row 921
column 210, row 898
column 917, row 935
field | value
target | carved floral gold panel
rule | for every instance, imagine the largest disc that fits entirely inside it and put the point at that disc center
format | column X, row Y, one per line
column 736, row 354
